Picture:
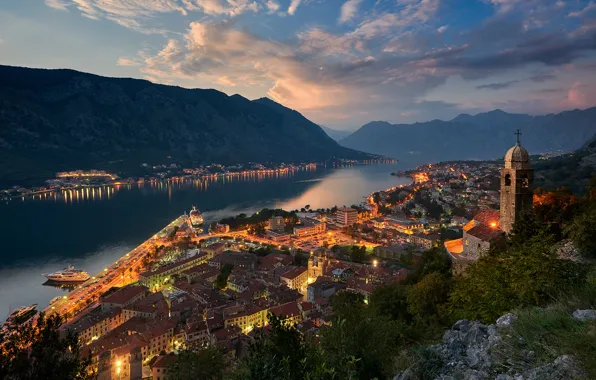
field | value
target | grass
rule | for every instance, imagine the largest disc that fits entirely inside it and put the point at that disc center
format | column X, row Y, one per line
column 548, row 334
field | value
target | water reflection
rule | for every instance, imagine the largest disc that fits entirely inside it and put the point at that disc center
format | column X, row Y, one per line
column 90, row 228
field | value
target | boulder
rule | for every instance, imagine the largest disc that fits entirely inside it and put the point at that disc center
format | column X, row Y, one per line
column 585, row 315
column 506, row 320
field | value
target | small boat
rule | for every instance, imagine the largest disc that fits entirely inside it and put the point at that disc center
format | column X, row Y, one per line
column 68, row 274
column 21, row 315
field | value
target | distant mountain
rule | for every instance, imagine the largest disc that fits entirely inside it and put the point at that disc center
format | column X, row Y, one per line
column 483, row 136
column 336, row 134
column 53, row 120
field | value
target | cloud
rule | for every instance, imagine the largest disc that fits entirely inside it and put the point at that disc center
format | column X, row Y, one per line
column 272, row 6
column 123, row 61
column 581, row 96
column 134, row 14
column 293, row 6
column 497, row 86
column 61, row 5
column 583, row 12
column 225, row 81
column 348, row 10
column 442, row 29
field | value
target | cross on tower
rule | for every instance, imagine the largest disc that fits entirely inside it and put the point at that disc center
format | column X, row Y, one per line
column 518, row 133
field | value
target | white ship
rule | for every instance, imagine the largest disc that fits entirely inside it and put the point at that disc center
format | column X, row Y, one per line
column 69, row 274
column 196, row 219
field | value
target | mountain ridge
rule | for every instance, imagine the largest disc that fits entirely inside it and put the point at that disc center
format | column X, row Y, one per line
column 482, row 136
column 62, row 119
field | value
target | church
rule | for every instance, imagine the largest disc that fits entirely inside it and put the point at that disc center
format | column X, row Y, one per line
column 489, row 228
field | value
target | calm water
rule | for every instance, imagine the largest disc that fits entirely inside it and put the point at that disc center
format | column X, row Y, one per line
column 91, row 230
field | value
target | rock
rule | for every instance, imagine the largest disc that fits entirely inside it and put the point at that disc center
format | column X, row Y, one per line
column 585, row 315
column 506, row 320
column 564, row 367
column 504, row 377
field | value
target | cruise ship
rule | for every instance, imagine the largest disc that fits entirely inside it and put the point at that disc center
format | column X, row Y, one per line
column 69, row 274
column 196, row 219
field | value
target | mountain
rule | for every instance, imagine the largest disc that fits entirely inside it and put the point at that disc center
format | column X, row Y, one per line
column 573, row 171
column 483, row 136
column 335, row 134
column 53, row 120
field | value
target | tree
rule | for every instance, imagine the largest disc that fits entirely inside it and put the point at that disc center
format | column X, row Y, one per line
column 582, row 230
column 38, row 350
column 391, row 301
column 222, row 278
column 357, row 253
column 208, row 364
column 344, row 303
column 427, row 299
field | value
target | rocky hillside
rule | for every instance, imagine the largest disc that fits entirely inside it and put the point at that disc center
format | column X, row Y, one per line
column 525, row 348
column 483, row 136
column 52, row 120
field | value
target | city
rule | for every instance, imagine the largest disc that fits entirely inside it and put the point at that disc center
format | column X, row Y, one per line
column 298, row 190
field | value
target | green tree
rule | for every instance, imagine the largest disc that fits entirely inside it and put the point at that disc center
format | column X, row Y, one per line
column 391, row 301
column 38, row 350
column 427, row 299
column 344, row 303
column 582, row 230
column 208, row 364
column 358, row 253
column 222, row 278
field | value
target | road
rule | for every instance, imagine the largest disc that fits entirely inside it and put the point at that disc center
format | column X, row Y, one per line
column 122, row 272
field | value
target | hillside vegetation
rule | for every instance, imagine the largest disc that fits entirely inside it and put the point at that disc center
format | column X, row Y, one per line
column 53, row 120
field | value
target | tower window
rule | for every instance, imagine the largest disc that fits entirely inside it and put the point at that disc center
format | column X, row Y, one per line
column 525, row 182
column 508, row 180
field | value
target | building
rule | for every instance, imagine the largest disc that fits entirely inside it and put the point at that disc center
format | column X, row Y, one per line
column 516, row 190
column 161, row 366
column 309, row 228
column 277, row 223
column 404, row 225
column 123, row 297
column 324, row 287
column 296, row 278
column 247, row 317
column 424, row 241
column 392, row 252
column 346, row 216
column 158, row 278
column 289, row 311
column 244, row 260
column 317, row 264
column 488, row 228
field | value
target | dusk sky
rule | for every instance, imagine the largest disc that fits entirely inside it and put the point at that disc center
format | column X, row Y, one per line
column 340, row 63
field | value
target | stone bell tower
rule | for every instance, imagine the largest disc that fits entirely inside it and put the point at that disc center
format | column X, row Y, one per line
column 516, row 185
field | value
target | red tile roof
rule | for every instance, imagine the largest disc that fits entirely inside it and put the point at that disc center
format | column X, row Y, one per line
column 485, row 232
column 289, row 309
column 164, row 361
column 124, row 295
column 487, row 217
column 294, row 272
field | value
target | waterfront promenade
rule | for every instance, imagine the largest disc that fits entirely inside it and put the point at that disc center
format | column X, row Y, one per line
column 122, row 272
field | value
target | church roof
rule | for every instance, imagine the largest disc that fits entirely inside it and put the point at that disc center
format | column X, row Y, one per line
column 487, row 218
column 485, row 233
column 517, row 158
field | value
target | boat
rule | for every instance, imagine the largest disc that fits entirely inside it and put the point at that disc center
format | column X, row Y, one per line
column 21, row 315
column 196, row 219
column 68, row 274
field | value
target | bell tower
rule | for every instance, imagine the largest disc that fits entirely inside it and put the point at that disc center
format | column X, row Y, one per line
column 516, row 185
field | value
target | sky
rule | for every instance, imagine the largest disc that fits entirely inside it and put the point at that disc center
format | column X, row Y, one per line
column 341, row 63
